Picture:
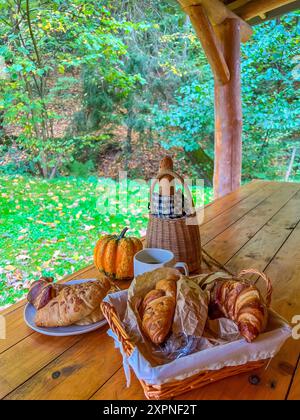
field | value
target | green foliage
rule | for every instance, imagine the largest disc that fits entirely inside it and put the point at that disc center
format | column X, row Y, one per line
column 188, row 122
column 269, row 94
column 82, row 170
column 79, row 153
column 140, row 66
column 50, row 227
column 270, row 98
column 16, row 168
column 131, row 64
column 151, row 54
column 88, row 147
column 45, row 38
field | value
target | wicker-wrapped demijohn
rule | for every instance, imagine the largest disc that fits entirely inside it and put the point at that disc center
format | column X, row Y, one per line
column 171, row 225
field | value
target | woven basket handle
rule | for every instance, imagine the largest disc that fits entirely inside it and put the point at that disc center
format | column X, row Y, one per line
column 175, row 175
column 265, row 278
column 117, row 328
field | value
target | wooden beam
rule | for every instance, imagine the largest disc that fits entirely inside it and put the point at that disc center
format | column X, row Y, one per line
column 210, row 43
column 257, row 7
column 228, row 114
column 237, row 3
column 217, row 13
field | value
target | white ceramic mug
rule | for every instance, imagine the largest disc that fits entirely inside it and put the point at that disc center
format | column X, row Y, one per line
column 150, row 259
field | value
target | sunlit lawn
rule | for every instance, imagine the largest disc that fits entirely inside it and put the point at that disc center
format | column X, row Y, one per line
column 50, row 227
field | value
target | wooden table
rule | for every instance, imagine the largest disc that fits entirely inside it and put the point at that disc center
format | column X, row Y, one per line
column 255, row 226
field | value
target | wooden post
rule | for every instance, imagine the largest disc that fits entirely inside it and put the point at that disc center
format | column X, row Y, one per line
column 228, row 114
column 210, row 43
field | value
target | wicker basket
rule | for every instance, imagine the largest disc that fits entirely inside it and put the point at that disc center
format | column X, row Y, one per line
column 172, row 389
column 181, row 235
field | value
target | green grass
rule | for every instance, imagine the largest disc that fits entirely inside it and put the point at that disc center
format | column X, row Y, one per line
column 50, row 227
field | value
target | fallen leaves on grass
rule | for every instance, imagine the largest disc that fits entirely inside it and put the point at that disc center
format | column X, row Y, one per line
column 51, row 227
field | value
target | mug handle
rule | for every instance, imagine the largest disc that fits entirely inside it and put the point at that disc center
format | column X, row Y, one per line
column 184, row 266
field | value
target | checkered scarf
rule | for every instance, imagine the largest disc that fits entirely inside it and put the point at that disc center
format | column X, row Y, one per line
column 170, row 207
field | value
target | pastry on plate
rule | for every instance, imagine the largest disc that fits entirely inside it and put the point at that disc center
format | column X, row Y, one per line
column 62, row 305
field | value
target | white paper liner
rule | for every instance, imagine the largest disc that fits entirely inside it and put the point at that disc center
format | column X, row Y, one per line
column 189, row 320
column 235, row 353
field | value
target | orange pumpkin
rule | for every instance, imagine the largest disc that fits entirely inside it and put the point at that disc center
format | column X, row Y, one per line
column 113, row 255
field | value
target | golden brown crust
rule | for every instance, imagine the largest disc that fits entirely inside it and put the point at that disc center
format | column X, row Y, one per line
column 168, row 286
column 150, row 296
column 243, row 304
column 72, row 304
column 105, row 282
column 158, row 318
column 157, row 310
column 95, row 316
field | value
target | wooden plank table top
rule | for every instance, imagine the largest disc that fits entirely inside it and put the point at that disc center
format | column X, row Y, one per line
column 256, row 226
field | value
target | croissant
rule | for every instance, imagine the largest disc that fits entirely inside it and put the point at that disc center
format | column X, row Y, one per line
column 42, row 291
column 158, row 309
column 243, row 304
column 95, row 316
column 152, row 295
column 75, row 304
column 167, row 286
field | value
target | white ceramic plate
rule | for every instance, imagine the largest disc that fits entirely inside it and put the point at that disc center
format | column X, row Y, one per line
column 29, row 315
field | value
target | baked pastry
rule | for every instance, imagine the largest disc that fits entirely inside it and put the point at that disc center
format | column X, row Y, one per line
column 168, row 286
column 94, row 316
column 242, row 303
column 74, row 304
column 157, row 310
column 42, row 291
column 152, row 295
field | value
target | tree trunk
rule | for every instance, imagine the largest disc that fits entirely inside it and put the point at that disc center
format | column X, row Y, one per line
column 43, row 165
column 53, row 172
column 128, row 142
column 1, row 120
column 290, row 167
column 228, row 115
column 128, row 146
column 186, row 30
column 203, row 164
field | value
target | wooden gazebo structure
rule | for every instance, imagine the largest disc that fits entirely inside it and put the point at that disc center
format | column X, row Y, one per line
column 221, row 26
column 258, row 225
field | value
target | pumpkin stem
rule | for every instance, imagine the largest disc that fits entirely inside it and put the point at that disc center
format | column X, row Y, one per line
column 123, row 233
